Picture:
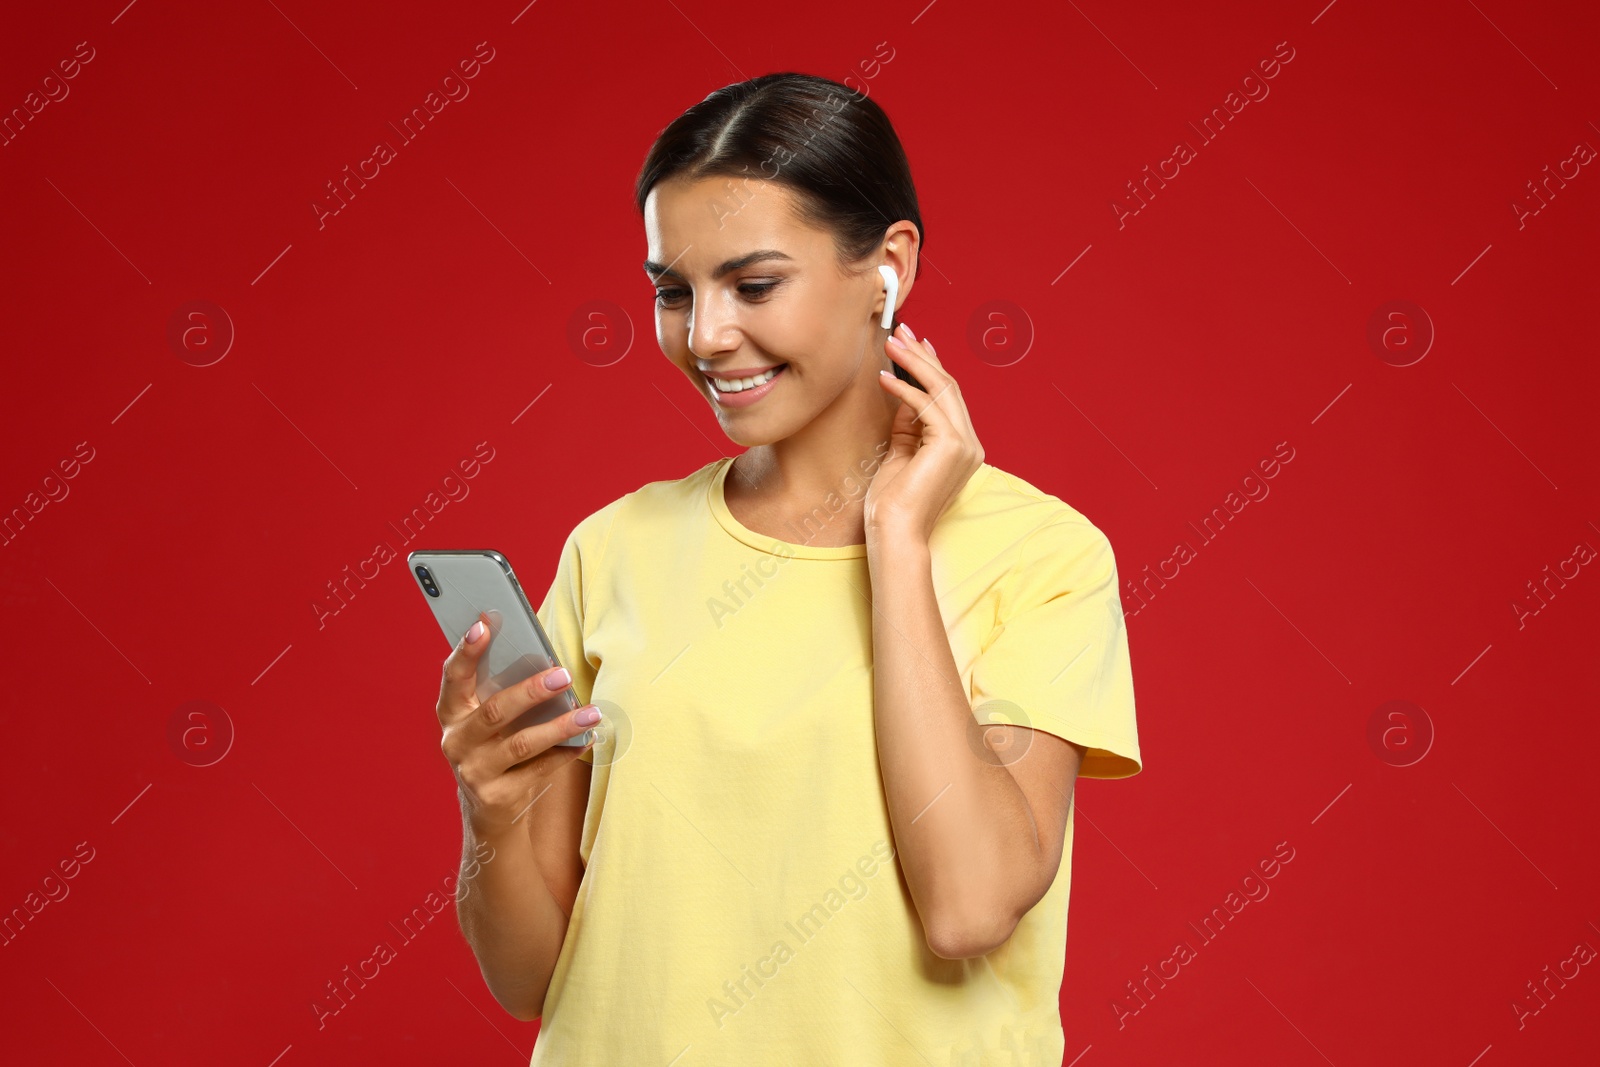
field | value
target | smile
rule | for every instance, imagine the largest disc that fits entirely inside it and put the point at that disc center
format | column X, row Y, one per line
column 737, row 392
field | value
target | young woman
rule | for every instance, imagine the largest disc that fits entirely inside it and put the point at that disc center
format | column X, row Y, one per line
column 844, row 681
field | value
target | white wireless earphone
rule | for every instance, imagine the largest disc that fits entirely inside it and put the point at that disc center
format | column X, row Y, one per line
column 891, row 286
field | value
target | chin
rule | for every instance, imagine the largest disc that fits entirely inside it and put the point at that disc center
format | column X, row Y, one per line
column 750, row 437
column 767, row 429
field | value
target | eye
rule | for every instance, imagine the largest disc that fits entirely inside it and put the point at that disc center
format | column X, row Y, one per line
column 753, row 290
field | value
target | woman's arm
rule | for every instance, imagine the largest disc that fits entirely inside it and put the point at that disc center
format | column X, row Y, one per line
column 517, row 889
column 979, row 839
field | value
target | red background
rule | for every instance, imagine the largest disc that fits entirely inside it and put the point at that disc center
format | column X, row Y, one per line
column 373, row 353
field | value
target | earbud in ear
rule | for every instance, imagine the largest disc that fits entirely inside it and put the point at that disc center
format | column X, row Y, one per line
column 891, row 288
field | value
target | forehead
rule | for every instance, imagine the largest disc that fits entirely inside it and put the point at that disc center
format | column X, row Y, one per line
column 695, row 225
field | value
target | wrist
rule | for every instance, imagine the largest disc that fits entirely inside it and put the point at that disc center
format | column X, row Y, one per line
column 895, row 544
column 483, row 829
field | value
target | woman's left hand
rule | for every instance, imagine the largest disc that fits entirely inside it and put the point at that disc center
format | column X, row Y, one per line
column 933, row 449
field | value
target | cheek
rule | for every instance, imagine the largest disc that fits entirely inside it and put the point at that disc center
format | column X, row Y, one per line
column 673, row 340
column 669, row 332
column 807, row 330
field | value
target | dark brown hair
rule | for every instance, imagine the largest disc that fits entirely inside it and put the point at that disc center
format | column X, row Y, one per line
column 833, row 147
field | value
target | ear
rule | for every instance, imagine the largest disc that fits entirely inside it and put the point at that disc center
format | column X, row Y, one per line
column 901, row 251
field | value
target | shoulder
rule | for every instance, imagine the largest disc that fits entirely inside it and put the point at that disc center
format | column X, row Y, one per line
column 655, row 502
column 1032, row 525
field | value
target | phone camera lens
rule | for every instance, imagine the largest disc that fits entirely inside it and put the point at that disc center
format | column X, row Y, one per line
column 426, row 578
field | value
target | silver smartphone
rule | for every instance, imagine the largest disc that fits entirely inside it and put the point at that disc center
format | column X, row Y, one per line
column 461, row 583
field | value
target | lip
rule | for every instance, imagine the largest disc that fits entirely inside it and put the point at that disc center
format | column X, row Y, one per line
column 735, row 373
column 747, row 396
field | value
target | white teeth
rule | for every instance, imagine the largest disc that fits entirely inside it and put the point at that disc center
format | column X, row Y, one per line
column 739, row 385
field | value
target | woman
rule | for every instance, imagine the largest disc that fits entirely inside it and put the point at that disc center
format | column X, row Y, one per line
column 797, row 833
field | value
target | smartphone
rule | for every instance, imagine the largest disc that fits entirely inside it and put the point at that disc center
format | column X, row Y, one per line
column 461, row 583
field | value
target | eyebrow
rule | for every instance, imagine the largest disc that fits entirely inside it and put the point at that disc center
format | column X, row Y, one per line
column 658, row 270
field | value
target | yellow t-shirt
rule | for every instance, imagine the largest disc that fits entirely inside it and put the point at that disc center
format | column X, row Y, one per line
column 741, row 899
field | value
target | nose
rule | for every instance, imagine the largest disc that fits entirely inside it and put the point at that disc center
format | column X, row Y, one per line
column 713, row 326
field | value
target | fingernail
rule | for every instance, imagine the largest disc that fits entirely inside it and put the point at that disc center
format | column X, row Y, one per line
column 476, row 632
column 588, row 716
column 896, row 341
column 906, row 329
column 557, row 678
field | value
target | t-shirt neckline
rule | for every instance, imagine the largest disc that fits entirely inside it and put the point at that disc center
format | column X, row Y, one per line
column 770, row 545
column 718, row 502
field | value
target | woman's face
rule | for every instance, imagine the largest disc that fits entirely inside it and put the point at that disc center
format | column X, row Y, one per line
column 743, row 287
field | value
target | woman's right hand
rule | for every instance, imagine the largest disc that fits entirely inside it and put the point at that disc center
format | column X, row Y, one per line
column 501, row 775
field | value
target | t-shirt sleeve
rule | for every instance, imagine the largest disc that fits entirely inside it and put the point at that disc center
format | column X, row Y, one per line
column 1059, row 659
column 563, row 610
